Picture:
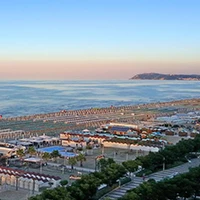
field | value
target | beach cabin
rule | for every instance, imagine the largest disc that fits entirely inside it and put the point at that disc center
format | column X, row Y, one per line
column 119, row 130
column 86, row 131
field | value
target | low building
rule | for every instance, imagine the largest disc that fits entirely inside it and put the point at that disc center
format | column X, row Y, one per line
column 119, row 130
column 27, row 180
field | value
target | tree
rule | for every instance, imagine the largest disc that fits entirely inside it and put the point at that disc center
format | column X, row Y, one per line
column 46, row 156
column 3, row 160
column 112, row 173
column 57, row 193
column 63, row 183
column 194, row 177
column 147, row 190
column 81, row 157
column 85, row 188
column 105, row 163
column 72, row 161
column 131, row 196
column 31, row 150
column 185, row 186
column 20, row 153
column 132, row 165
column 55, row 154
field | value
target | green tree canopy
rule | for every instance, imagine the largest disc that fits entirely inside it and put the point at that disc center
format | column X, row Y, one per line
column 20, row 153
column 31, row 150
column 55, row 154
column 72, row 161
column 81, row 157
column 63, row 183
column 46, row 156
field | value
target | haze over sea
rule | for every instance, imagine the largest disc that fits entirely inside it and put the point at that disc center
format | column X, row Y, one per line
column 20, row 98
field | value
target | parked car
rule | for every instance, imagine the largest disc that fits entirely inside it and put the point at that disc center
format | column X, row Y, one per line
column 74, row 177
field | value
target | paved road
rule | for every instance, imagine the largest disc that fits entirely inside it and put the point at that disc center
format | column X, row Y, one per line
column 119, row 192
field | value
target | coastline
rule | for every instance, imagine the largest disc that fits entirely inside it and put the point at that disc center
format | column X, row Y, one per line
column 76, row 120
column 103, row 110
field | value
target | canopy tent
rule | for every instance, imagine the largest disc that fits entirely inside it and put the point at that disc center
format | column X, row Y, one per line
column 33, row 160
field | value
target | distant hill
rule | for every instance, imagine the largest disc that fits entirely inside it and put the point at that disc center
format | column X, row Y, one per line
column 157, row 76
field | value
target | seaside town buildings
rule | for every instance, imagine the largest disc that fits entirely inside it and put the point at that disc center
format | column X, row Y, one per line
column 149, row 132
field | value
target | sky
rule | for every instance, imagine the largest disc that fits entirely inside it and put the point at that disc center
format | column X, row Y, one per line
column 98, row 39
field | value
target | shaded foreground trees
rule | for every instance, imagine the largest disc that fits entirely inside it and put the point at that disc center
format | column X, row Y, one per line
column 87, row 186
column 185, row 186
column 59, row 193
column 170, row 156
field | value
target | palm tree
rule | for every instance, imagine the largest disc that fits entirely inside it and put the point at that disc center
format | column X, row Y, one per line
column 46, row 156
column 81, row 157
column 72, row 161
column 20, row 153
column 55, row 154
column 31, row 151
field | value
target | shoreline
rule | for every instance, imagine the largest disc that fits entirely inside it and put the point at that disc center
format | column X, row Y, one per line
column 103, row 110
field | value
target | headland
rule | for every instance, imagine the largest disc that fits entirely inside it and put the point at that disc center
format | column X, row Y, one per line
column 158, row 76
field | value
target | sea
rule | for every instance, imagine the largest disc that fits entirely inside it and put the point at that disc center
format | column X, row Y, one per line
column 20, row 98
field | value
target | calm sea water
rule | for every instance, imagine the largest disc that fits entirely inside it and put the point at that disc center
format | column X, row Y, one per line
column 29, row 97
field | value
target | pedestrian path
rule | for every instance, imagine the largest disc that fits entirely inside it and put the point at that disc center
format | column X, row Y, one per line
column 82, row 169
column 119, row 192
column 169, row 173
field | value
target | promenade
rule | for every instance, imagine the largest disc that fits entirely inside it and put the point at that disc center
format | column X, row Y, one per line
column 158, row 176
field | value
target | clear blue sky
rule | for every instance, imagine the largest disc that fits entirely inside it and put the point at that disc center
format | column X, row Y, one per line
column 98, row 37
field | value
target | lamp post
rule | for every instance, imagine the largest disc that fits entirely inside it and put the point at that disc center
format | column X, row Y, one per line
column 40, row 163
column 163, row 163
column 119, row 181
column 17, row 182
column 1, row 181
column 188, row 160
column 33, row 186
column 95, row 164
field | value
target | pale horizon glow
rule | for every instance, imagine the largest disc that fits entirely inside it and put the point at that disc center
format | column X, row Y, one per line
column 50, row 40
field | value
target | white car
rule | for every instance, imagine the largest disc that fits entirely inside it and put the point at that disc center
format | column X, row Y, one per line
column 74, row 177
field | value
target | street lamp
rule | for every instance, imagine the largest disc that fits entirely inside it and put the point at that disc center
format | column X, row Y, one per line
column 102, row 149
column 33, row 185
column 163, row 163
column 119, row 181
column 187, row 159
column 17, row 182
column 95, row 164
